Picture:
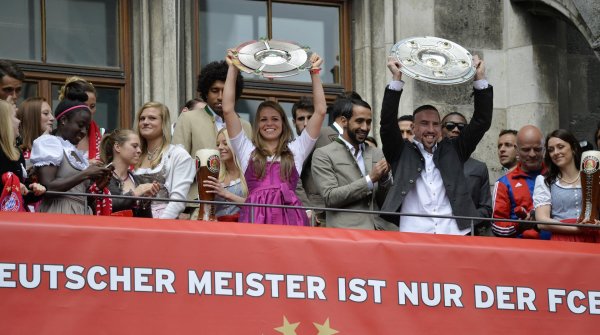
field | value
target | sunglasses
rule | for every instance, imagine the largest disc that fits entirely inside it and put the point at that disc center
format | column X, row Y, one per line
column 452, row 125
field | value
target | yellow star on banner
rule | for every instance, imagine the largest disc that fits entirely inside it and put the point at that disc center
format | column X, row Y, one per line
column 325, row 329
column 287, row 328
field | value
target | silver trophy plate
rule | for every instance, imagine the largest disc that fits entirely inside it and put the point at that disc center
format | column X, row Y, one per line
column 434, row 60
column 271, row 58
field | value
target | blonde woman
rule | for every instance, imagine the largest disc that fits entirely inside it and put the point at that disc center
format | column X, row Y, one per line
column 231, row 185
column 11, row 161
column 168, row 165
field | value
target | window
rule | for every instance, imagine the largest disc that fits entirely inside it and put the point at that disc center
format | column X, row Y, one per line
column 322, row 25
column 71, row 37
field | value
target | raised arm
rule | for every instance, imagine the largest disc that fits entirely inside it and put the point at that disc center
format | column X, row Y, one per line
column 482, row 117
column 313, row 127
column 391, row 137
column 232, row 120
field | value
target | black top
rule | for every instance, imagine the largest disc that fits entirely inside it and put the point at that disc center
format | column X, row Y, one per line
column 139, row 208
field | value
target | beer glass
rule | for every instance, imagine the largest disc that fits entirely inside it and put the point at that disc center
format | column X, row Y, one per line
column 590, row 186
column 208, row 163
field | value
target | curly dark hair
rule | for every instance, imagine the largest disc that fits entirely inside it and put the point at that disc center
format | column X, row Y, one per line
column 217, row 71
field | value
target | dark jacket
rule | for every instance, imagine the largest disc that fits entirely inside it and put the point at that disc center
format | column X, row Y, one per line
column 407, row 162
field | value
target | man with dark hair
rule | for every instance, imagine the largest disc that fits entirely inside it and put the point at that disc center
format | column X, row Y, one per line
column 197, row 129
column 405, row 123
column 11, row 81
column 507, row 149
column 350, row 174
column 428, row 176
column 302, row 111
column 475, row 171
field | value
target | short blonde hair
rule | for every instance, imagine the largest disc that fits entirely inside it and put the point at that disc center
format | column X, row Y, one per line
column 165, row 126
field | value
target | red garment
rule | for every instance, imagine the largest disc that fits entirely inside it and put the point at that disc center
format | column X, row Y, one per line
column 590, row 236
column 103, row 205
column 94, row 138
column 514, row 190
column 11, row 199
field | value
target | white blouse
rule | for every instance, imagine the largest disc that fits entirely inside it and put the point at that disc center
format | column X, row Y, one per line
column 50, row 150
column 301, row 147
column 180, row 171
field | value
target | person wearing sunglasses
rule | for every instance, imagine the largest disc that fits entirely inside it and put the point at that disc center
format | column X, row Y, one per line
column 11, row 81
column 476, row 172
column 428, row 177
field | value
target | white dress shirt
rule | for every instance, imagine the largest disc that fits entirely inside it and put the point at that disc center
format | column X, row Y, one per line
column 428, row 197
column 360, row 161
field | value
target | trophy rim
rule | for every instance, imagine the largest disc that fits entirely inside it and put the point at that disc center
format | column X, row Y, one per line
column 272, row 58
column 434, row 60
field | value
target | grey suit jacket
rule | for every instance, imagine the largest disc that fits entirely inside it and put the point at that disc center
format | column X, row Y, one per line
column 306, row 188
column 341, row 185
column 449, row 157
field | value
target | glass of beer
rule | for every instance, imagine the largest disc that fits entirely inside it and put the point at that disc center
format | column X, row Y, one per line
column 590, row 186
column 208, row 163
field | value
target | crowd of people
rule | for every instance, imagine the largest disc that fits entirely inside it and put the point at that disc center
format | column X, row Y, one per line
column 422, row 168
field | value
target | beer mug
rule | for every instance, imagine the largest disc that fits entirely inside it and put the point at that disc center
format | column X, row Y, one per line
column 590, row 186
column 208, row 163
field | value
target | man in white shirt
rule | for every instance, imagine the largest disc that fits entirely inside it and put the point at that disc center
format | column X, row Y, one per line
column 428, row 176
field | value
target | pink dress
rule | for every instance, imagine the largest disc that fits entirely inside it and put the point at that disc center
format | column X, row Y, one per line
column 272, row 190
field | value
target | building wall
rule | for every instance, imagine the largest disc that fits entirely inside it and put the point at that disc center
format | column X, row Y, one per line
column 542, row 68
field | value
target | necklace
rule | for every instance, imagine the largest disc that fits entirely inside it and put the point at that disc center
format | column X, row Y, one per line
column 570, row 182
column 120, row 180
column 150, row 155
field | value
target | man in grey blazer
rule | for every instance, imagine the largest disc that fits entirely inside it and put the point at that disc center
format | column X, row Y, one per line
column 306, row 189
column 350, row 174
column 428, row 176
column 476, row 173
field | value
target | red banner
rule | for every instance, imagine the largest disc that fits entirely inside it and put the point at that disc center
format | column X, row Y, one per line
column 67, row 274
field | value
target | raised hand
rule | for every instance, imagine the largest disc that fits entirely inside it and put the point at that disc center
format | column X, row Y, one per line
column 479, row 67
column 316, row 61
column 394, row 66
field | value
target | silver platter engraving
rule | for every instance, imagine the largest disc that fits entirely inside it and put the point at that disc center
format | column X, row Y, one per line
column 434, row 60
column 272, row 59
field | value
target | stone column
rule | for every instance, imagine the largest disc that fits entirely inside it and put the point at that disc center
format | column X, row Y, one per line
column 162, row 66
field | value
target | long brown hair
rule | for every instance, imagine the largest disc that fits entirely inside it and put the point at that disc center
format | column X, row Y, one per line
column 166, row 131
column 554, row 171
column 7, row 134
column 259, row 157
column 30, row 114
column 117, row 136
